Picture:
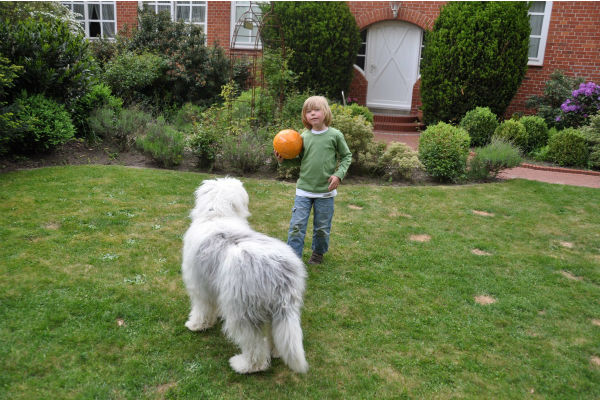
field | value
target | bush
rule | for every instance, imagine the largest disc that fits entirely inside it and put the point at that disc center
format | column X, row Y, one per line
column 120, row 127
column 580, row 105
column 324, row 38
column 137, row 78
column 195, row 72
column 568, row 148
column 8, row 122
column 493, row 158
column 361, row 110
column 370, row 161
column 514, row 132
column 537, row 132
column 163, row 142
column 55, row 61
column 480, row 123
column 443, row 150
column 247, row 152
column 557, row 89
column 476, row 55
column 357, row 131
column 591, row 133
column 45, row 124
column 400, row 162
column 205, row 144
column 99, row 95
column 187, row 115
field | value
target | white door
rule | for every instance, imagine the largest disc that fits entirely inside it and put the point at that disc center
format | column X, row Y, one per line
column 392, row 63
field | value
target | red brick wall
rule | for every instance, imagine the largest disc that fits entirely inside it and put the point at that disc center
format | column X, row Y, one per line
column 126, row 15
column 218, row 23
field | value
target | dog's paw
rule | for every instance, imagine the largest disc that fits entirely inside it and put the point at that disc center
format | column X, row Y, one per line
column 241, row 365
column 275, row 353
column 196, row 326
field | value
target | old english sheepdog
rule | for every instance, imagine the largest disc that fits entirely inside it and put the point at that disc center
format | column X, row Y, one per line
column 253, row 282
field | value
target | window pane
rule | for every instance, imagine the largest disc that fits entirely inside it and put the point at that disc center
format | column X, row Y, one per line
column 94, row 29
column 79, row 9
column 534, row 45
column 198, row 14
column 537, row 6
column 108, row 11
column 94, row 11
column 163, row 8
column 183, row 12
column 109, row 29
column 536, row 24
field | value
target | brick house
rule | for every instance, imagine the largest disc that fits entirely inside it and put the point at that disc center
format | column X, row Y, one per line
column 565, row 36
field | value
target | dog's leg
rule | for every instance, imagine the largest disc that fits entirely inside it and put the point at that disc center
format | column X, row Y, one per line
column 255, row 355
column 268, row 331
column 204, row 311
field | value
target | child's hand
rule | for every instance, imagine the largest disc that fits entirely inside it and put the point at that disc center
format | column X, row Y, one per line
column 278, row 156
column 334, row 182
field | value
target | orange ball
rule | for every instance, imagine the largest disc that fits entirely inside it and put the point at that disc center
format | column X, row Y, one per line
column 288, row 143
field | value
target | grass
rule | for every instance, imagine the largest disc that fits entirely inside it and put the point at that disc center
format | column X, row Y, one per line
column 92, row 304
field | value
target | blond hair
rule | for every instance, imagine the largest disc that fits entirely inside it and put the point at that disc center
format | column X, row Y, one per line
column 316, row 103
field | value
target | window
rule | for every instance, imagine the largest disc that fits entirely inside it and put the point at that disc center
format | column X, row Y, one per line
column 97, row 18
column 361, row 57
column 191, row 12
column 539, row 19
column 244, row 16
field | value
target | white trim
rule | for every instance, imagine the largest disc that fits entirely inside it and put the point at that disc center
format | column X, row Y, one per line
column 539, row 60
column 173, row 10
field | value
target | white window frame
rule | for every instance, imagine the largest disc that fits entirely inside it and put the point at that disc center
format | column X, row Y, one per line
column 252, row 39
column 543, row 36
column 173, row 9
column 85, row 21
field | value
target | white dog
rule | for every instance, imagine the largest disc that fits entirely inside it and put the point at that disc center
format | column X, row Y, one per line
column 255, row 283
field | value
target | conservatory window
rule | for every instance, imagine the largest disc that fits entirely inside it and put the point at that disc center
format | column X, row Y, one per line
column 539, row 20
column 97, row 18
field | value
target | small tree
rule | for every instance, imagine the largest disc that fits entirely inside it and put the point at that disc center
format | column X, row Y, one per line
column 476, row 55
column 325, row 40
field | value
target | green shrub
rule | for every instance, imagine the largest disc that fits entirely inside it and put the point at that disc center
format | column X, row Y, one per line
column 137, row 78
column 45, row 124
column 187, row 115
column 264, row 106
column 8, row 122
column 400, row 162
column 480, row 123
column 369, row 162
column 476, row 55
column 537, row 132
column 195, row 72
column 291, row 112
column 493, row 158
column 443, row 150
column 99, row 95
column 557, row 89
column 324, row 38
column 361, row 110
column 540, row 154
column 163, row 142
column 591, row 133
column 205, row 144
column 119, row 127
column 357, row 131
column 246, row 152
column 55, row 61
column 513, row 131
column 568, row 148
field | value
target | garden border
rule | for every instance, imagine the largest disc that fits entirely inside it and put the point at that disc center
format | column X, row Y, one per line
column 560, row 169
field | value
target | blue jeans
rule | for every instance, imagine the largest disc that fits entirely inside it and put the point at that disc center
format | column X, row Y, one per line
column 323, row 214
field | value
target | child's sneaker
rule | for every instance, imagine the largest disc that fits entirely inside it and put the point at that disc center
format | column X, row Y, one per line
column 315, row 258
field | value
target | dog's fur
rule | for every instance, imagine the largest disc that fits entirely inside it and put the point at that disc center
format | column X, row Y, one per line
column 255, row 283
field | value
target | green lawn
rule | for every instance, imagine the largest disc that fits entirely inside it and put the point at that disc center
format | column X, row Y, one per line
column 92, row 304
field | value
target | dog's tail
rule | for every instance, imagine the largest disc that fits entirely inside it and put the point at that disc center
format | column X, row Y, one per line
column 287, row 337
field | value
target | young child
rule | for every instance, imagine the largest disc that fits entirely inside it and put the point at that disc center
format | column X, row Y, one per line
column 319, row 178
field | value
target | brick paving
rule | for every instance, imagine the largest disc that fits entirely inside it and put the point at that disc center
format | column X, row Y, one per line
column 565, row 176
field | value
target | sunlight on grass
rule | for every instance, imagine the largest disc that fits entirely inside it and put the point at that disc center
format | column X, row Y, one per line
column 475, row 291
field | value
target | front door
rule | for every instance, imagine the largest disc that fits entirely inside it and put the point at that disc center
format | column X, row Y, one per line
column 392, row 64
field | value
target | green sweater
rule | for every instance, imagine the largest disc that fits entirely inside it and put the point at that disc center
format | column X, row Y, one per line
column 318, row 159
